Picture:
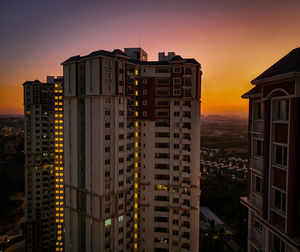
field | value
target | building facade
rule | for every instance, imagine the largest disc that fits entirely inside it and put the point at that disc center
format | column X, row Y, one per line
column 43, row 165
column 132, row 152
column 273, row 178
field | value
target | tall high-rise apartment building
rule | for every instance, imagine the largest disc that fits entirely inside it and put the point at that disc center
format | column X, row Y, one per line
column 132, row 152
column 273, row 198
column 44, row 208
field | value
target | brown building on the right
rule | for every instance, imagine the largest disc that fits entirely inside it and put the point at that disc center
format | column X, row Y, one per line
column 273, row 199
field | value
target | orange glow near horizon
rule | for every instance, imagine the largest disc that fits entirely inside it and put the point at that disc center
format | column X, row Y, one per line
column 234, row 43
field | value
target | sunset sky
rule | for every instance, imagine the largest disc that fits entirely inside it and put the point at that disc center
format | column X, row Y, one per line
column 234, row 40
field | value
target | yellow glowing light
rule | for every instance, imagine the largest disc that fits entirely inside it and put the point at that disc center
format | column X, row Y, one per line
column 135, row 226
column 136, row 71
column 136, row 175
column 136, row 103
column 135, row 205
column 136, row 185
column 136, row 195
column 136, row 82
column 136, row 93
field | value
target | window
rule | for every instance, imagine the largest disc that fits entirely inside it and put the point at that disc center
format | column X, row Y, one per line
column 281, row 155
column 257, row 184
column 144, row 80
column 121, row 125
column 107, row 137
column 278, row 244
column 176, row 113
column 176, row 179
column 107, row 125
column 282, row 110
column 107, row 222
column 176, row 167
column 176, row 135
column 107, row 149
column 121, row 64
column 177, row 81
column 258, row 145
column 279, row 200
column 107, row 210
column 176, row 103
column 144, row 91
column 177, row 69
column 258, row 110
column 257, row 226
column 162, row 145
column 107, row 161
column 120, row 218
column 162, row 166
column 107, row 112
column 144, row 113
column 144, row 102
column 162, row 155
column 176, row 92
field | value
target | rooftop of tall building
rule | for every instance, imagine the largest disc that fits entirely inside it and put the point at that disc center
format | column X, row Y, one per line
column 118, row 52
column 290, row 63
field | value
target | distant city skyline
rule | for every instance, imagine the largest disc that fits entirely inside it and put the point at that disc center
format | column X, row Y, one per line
column 233, row 42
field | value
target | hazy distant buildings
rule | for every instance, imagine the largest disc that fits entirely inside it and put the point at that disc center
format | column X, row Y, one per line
column 273, row 197
column 132, row 152
column 43, row 118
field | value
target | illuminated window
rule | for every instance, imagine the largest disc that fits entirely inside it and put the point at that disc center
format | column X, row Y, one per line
column 120, row 218
column 107, row 222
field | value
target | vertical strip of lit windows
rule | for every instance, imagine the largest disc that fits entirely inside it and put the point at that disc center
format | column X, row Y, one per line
column 59, row 166
column 137, row 163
